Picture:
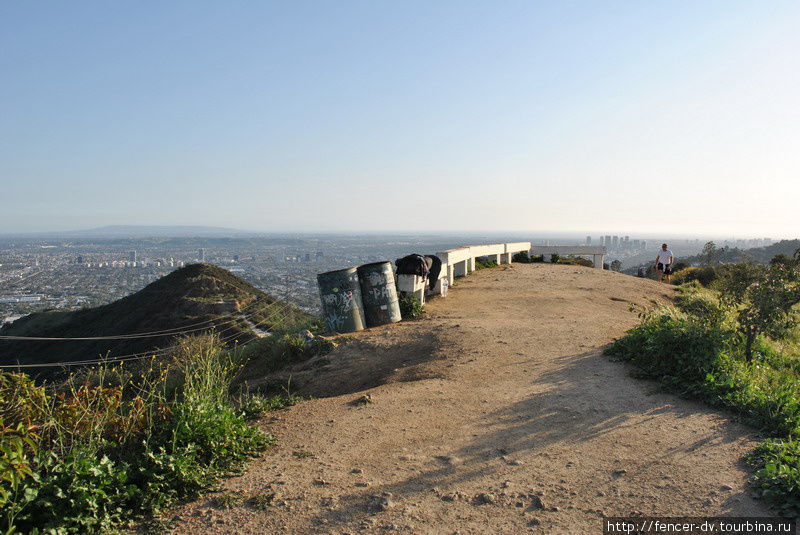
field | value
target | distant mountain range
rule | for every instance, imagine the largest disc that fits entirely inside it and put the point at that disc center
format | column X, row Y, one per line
column 197, row 298
column 144, row 231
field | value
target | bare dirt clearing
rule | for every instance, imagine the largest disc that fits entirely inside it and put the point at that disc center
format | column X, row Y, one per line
column 495, row 413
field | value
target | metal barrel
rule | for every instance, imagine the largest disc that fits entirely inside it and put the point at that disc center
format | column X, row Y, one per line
column 341, row 300
column 379, row 294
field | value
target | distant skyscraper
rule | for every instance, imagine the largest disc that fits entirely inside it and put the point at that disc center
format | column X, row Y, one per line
column 201, row 255
column 588, row 240
column 615, row 242
column 132, row 256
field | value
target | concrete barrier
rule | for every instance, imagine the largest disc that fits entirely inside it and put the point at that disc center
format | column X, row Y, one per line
column 461, row 261
column 596, row 252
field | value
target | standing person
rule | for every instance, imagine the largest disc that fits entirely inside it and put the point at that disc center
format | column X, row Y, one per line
column 664, row 261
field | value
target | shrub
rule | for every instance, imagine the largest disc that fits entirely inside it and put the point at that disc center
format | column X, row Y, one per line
column 284, row 349
column 777, row 465
column 763, row 299
column 521, row 257
column 410, row 307
column 679, row 266
column 671, row 348
column 18, row 482
column 106, row 455
column 554, row 258
column 704, row 275
column 483, row 263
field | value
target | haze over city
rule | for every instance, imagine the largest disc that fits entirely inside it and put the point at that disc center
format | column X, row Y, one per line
column 674, row 119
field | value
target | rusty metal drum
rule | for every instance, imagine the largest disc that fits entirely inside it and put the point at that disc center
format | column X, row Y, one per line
column 340, row 293
column 379, row 294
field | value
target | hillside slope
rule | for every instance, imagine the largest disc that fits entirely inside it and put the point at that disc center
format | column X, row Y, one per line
column 495, row 413
column 200, row 294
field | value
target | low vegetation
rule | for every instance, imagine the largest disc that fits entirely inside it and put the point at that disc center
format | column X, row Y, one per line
column 484, row 263
column 112, row 445
column 734, row 345
column 410, row 307
column 523, row 258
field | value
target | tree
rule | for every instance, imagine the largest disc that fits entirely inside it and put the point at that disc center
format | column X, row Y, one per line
column 763, row 298
column 709, row 254
column 616, row 265
column 781, row 258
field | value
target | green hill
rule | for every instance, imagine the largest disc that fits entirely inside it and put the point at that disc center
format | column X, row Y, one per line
column 198, row 297
column 732, row 255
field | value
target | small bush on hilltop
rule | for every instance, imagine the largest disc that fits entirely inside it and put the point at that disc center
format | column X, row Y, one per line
column 484, row 263
column 410, row 307
column 704, row 275
column 521, row 257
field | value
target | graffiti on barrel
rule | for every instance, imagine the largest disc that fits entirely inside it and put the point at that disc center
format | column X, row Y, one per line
column 340, row 292
column 379, row 293
column 338, row 306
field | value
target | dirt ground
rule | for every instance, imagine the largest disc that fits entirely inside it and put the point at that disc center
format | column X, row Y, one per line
column 495, row 413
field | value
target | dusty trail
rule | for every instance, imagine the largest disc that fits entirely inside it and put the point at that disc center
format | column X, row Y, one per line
column 496, row 413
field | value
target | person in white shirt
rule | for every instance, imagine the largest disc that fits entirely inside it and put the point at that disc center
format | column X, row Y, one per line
column 664, row 261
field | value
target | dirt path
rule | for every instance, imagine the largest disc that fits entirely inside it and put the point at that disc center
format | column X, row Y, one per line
column 496, row 413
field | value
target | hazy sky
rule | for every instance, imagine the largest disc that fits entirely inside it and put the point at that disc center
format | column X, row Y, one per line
column 590, row 116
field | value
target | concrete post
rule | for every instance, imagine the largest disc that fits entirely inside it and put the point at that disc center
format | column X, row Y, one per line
column 598, row 260
column 470, row 264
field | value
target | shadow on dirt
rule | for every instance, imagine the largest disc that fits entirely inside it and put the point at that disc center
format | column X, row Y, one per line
column 396, row 353
column 571, row 405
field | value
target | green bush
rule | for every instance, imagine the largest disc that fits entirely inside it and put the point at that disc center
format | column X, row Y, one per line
column 585, row 262
column 284, row 349
column 671, row 348
column 704, row 275
column 521, row 257
column 484, row 263
column 777, row 466
column 410, row 307
column 107, row 455
column 80, row 492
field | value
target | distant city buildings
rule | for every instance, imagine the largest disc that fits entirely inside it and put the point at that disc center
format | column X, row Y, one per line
column 201, row 255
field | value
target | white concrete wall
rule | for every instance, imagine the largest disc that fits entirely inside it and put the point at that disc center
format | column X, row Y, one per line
column 595, row 251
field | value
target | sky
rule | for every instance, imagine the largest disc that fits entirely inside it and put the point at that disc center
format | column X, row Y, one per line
column 677, row 117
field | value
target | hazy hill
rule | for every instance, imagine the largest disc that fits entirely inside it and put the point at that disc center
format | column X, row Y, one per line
column 731, row 255
column 188, row 296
